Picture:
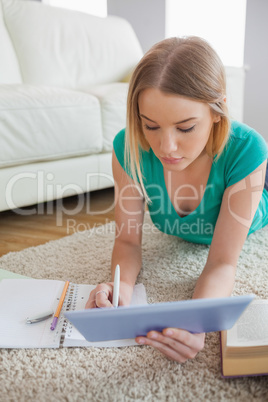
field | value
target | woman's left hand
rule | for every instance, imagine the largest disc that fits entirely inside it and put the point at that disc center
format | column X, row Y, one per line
column 175, row 343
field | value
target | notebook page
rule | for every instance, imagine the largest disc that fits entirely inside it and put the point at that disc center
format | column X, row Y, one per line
column 22, row 298
column 80, row 297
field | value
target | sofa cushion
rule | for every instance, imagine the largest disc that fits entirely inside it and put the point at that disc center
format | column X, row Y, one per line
column 113, row 101
column 67, row 48
column 37, row 182
column 9, row 66
column 43, row 123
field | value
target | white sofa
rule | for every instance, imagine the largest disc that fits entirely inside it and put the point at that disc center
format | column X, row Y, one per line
column 63, row 99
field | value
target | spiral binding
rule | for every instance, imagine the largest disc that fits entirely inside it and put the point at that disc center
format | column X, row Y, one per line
column 63, row 327
column 72, row 306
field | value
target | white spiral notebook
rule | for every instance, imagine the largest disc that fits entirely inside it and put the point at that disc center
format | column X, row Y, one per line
column 22, row 298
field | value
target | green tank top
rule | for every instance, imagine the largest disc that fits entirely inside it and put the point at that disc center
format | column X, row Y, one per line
column 243, row 153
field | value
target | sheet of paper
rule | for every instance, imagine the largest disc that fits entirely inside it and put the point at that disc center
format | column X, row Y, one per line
column 4, row 274
column 22, row 298
column 251, row 329
column 73, row 336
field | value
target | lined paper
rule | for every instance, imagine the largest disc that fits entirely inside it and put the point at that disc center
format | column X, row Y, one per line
column 80, row 296
column 22, row 298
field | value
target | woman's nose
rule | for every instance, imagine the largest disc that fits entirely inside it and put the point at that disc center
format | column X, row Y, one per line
column 168, row 144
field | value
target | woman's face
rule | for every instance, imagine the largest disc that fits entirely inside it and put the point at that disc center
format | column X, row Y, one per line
column 176, row 128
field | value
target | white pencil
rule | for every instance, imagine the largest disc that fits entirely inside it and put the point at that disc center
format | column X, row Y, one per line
column 116, row 286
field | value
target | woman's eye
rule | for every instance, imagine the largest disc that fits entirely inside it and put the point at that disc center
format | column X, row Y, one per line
column 153, row 128
column 149, row 127
column 187, row 130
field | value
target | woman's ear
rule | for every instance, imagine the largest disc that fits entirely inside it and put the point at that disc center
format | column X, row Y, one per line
column 216, row 118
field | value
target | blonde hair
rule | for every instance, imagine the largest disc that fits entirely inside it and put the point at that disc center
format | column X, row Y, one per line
column 186, row 66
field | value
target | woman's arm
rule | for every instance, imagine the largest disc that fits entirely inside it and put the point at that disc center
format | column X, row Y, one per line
column 239, row 204
column 129, row 214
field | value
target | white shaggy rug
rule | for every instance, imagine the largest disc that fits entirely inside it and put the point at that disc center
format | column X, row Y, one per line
column 138, row 373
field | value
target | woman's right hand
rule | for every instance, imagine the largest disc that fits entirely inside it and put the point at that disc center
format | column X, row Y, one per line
column 102, row 295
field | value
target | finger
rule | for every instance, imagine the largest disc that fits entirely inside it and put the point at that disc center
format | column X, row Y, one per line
column 91, row 303
column 183, row 350
column 102, row 299
column 193, row 341
column 91, row 300
column 174, row 348
column 163, row 348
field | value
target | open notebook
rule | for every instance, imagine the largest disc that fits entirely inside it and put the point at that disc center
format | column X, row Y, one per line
column 22, row 298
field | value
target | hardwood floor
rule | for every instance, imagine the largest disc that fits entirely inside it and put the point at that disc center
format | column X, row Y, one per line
column 38, row 224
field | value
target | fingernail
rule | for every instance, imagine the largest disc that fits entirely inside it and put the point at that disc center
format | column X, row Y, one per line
column 141, row 341
column 168, row 332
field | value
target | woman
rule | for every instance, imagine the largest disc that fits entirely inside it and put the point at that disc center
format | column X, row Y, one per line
column 201, row 175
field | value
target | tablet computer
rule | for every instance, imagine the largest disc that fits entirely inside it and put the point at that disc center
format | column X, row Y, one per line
column 198, row 315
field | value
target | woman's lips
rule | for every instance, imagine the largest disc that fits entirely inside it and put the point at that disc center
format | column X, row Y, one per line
column 171, row 160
